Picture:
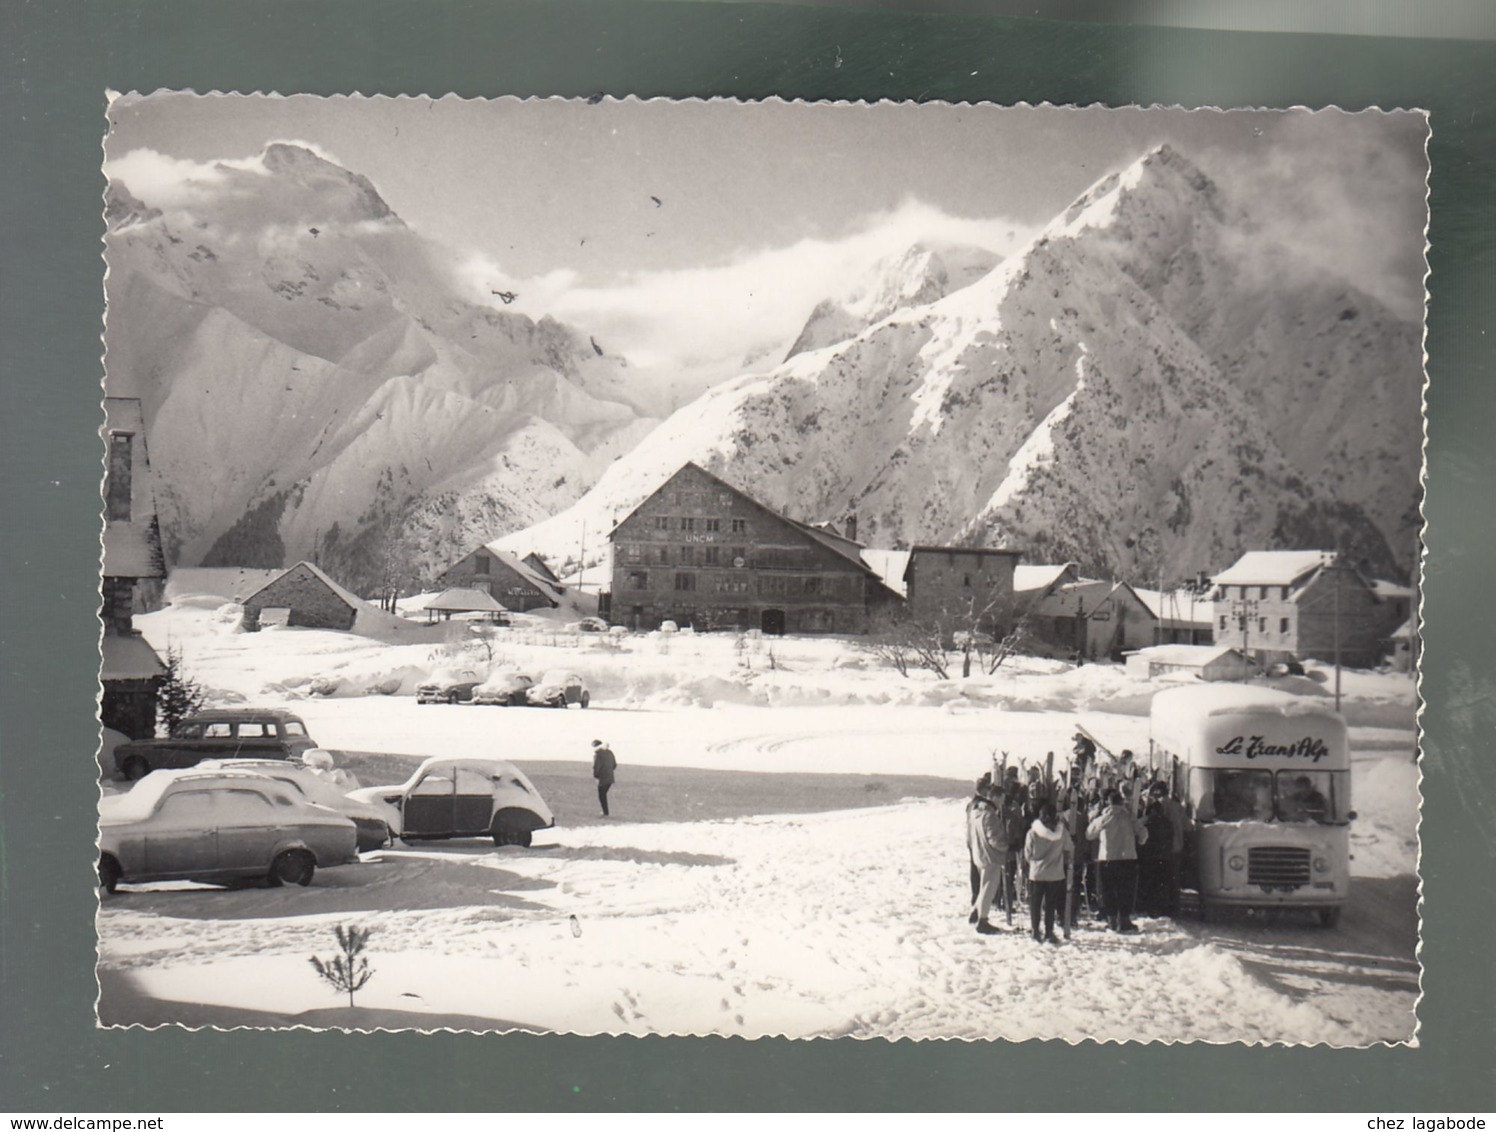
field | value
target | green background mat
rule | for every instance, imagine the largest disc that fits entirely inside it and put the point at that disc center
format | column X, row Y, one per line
column 58, row 58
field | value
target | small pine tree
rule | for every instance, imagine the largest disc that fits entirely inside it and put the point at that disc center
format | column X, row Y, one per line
column 349, row 971
column 179, row 695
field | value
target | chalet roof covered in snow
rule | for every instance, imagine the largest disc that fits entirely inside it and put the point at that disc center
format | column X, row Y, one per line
column 1028, row 578
column 1403, row 632
column 1186, row 656
column 129, row 658
column 1273, row 567
column 465, row 601
column 347, row 596
column 1178, row 608
column 889, row 565
column 547, row 587
column 1388, row 590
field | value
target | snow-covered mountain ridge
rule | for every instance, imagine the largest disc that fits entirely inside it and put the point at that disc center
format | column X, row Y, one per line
column 1150, row 387
column 317, row 382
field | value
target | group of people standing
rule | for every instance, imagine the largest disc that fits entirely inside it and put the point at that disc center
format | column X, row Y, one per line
column 1073, row 850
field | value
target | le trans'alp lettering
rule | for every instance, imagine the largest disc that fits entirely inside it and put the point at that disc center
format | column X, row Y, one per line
column 1255, row 746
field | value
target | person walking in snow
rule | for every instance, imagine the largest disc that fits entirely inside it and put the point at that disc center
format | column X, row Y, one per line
column 1118, row 833
column 1046, row 849
column 604, row 767
column 989, row 848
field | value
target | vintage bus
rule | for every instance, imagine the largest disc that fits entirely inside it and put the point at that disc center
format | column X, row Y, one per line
column 1265, row 778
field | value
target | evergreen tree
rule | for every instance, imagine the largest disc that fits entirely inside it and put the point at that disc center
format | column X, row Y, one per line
column 179, row 696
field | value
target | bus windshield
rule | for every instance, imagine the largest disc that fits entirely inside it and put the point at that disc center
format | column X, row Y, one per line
column 1230, row 794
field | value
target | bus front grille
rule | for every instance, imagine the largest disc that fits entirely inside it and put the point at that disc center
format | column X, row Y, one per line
column 1277, row 866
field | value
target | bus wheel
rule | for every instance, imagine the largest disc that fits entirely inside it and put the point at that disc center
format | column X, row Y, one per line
column 1329, row 917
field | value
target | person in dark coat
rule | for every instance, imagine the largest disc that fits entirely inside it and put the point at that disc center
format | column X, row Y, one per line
column 1155, row 855
column 1118, row 833
column 604, row 767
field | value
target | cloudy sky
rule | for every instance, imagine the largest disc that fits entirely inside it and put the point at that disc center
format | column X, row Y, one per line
column 688, row 235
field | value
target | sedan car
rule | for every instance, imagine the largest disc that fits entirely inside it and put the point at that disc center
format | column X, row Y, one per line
column 263, row 733
column 559, row 688
column 505, row 687
column 371, row 821
column 217, row 825
column 465, row 798
column 447, row 688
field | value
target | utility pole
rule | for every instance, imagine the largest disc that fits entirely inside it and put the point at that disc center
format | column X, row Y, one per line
column 1245, row 609
column 1080, row 630
column 1337, row 637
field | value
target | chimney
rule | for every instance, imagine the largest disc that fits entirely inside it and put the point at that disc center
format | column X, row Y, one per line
column 851, row 527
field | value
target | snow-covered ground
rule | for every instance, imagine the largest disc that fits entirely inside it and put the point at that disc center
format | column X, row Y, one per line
column 850, row 922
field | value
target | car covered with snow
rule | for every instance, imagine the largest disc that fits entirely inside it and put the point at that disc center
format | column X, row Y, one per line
column 587, row 625
column 371, row 821
column 505, row 687
column 456, row 797
column 228, row 733
column 447, row 687
column 219, row 826
column 559, row 688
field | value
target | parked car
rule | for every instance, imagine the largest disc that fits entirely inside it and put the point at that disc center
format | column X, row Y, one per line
column 447, row 688
column 506, row 687
column 372, row 821
column 587, row 625
column 260, row 733
column 465, row 798
column 559, row 688
column 217, row 825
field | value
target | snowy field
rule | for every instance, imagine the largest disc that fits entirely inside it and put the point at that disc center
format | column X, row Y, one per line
column 847, row 922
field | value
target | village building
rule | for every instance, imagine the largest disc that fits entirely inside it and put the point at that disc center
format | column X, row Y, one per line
column 1279, row 605
column 1402, row 647
column 1073, row 617
column 541, row 567
column 302, row 597
column 515, row 583
column 700, row 552
column 1203, row 662
column 1180, row 617
column 961, row 588
column 133, row 574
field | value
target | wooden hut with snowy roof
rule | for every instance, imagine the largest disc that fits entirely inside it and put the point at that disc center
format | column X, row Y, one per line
column 457, row 602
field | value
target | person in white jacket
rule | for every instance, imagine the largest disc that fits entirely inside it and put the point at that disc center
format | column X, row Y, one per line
column 1119, row 832
column 1046, row 849
column 989, row 849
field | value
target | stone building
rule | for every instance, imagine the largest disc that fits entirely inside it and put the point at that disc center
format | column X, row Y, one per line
column 132, row 574
column 302, row 597
column 961, row 588
column 516, row 584
column 1279, row 605
column 1088, row 619
column 700, row 552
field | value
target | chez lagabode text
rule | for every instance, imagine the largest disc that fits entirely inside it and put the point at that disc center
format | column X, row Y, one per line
column 1255, row 746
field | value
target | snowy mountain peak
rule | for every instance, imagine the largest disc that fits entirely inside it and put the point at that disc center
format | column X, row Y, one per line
column 309, row 170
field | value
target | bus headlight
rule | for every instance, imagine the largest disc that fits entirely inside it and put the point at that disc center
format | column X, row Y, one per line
column 1321, row 865
column 1236, row 862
